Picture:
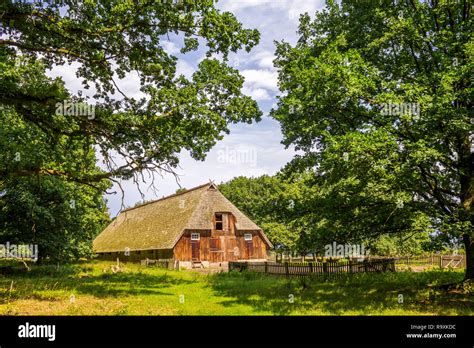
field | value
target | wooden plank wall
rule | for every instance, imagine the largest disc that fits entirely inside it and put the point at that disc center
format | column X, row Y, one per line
column 183, row 252
column 137, row 255
column 225, row 245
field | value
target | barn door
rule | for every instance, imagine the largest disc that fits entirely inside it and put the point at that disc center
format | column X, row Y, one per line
column 233, row 252
column 196, row 250
column 249, row 249
column 216, row 254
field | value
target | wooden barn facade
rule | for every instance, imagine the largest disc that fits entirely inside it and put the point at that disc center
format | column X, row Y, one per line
column 196, row 225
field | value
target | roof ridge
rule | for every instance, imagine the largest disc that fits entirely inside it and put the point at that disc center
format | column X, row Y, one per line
column 170, row 196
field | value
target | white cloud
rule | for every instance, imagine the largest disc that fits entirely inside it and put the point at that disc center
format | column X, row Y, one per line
column 130, row 85
column 259, row 94
column 184, row 68
column 234, row 6
column 261, row 78
column 290, row 8
column 264, row 59
column 170, row 47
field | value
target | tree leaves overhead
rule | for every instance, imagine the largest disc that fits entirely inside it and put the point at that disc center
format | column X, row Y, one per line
column 52, row 138
column 377, row 95
column 120, row 36
column 111, row 40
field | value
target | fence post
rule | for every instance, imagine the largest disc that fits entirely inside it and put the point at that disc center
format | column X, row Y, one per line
column 350, row 266
column 325, row 268
column 440, row 261
column 365, row 266
column 287, row 271
column 310, row 267
column 266, row 266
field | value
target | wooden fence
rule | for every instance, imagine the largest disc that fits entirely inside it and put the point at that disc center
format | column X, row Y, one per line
column 456, row 261
column 162, row 263
column 328, row 269
column 441, row 261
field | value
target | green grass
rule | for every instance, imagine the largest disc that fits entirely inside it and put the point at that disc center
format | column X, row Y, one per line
column 93, row 289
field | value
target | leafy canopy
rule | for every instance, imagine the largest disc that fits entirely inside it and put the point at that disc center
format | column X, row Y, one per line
column 111, row 40
column 49, row 151
column 377, row 96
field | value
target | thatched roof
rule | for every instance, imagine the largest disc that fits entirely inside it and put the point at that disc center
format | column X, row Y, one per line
column 159, row 224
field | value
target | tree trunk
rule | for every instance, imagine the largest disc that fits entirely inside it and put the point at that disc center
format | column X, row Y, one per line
column 466, row 158
column 469, row 245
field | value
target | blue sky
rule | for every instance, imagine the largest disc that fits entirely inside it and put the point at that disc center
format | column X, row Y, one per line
column 249, row 150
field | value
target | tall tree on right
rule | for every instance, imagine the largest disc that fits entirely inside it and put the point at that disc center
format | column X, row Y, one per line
column 377, row 95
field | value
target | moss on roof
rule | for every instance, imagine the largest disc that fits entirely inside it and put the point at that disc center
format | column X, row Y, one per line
column 160, row 224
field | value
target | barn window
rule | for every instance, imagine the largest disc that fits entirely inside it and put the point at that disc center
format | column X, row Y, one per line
column 219, row 223
column 195, row 236
column 248, row 236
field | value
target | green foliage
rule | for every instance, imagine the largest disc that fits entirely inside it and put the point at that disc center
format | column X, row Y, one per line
column 401, row 244
column 62, row 217
column 374, row 169
column 297, row 216
column 110, row 39
column 48, row 156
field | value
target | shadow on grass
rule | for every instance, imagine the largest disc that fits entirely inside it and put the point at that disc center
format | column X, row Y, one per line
column 123, row 284
column 16, row 269
column 363, row 294
column 49, row 282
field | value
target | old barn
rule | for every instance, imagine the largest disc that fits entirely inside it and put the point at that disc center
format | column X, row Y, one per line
column 196, row 225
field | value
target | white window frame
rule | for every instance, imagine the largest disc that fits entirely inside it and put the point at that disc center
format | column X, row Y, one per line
column 193, row 236
column 246, row 237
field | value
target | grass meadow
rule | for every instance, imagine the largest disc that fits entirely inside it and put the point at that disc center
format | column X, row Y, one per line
column 92, row 288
